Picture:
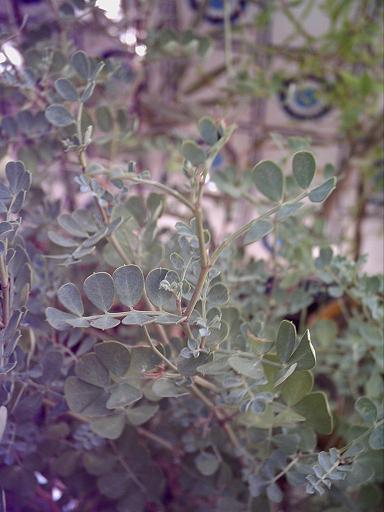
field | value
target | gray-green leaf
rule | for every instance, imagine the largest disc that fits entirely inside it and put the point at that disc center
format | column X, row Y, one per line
column 304, row 355
column 123, row 394
column 114, row 355
column 70, row 298
column 286, row 340
column 100, row 291
column 303, row 167
column 257, row 231
column 269, row 180
column 367, row 409
column 129, row 284
column 81, row 64
column 320, row 193
column 90, row 370
column 66, row 89
column 58, row 115
column 192, row 152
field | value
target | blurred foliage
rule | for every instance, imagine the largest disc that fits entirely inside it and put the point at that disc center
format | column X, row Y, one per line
column 148, row 362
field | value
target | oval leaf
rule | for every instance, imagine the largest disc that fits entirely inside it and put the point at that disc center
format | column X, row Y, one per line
column 129, row 284
column 192, row 152
column 58, row 115
column 269, row 179
column 303, row 167
column 70, row 298
column 66, row 89
column 100, row 290
column 90, row 370
column 113, row 355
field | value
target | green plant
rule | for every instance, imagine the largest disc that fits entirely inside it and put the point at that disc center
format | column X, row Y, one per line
column 155, row 366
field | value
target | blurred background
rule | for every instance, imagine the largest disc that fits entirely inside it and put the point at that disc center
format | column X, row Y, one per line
column 289, row 73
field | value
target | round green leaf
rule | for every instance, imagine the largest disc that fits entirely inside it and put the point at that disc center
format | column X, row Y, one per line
column 100, row 290
column 296, row 387
column 218, row 295
column 315, row 409
column 70, row 298
column 66, row 89
column 81, row 64
column 156, row 295
column 303, row 167
column 367, row 409
column 192, row 152
column 208, row 130
column 129, row 284
column 58, row 115
column 123, row 394
column 269, row 179
column 82, row 397
column 141, row 414
column 89, row 369
column 113, row 355
column 109, row 427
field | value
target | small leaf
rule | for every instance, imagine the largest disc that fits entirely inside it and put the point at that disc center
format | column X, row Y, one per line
column 82, row 397
column 218, row 295
column 70, row 298
column 269, row 180
column 208, row 130
column 90, row 370
column 304, row 355
column 376, row 438
column 248, row 367
column 207, row 463
column 166, row 388
column 114, row 355
column 287, row 210
column 286, row 340
column 320, row 193
column 129, row 284
column 159, row 297
column 109, row 427
column 58, row 115
column 258, row 230
column 81, row 64
column 67, row 222
column 367, row 409
column 58, row 319
column 192, row 152
column 66, row 89
column 137, row 318
column 62, row 241
column 283, row 374
column 141, row 414
column 296, row 387
column 315, row 409
column 123, row 394
column 100, row 291
column 303, row 167
column 19, row 179
column 105, row 322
